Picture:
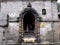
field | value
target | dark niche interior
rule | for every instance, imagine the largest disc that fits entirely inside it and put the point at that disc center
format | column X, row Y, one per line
column 29, row 22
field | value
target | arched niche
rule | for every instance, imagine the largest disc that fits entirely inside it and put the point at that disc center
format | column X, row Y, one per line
column 33, row 13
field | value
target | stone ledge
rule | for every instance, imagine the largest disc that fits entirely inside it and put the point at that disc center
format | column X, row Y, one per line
column 26, row 0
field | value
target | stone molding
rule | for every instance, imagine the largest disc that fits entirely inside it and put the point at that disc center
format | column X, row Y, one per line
column 27, row 0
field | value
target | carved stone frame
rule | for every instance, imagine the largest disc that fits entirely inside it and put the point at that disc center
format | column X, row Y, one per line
column 37, row 23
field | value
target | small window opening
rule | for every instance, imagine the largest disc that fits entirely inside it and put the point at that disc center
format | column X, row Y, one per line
column 59, row 16
column 44, row 11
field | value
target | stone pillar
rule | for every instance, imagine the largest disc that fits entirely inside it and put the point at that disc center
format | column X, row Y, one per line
column 37, row 30
column 20, row 29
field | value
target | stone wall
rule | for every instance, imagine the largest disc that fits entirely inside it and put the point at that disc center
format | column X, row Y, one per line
column 16, row 7
column 1, row 35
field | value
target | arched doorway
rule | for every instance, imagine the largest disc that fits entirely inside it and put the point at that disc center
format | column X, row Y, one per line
column 29, row 22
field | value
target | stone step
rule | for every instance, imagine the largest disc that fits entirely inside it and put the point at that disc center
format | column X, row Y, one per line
column 30, row 44
column 11, row 44
column 20, row 44
column 29, row 33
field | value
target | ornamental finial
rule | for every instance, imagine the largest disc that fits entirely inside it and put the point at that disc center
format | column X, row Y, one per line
column 29, row 5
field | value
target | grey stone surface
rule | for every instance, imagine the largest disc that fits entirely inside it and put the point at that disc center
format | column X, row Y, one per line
column 1, row 35
column 54, row 11
column 13, row 32
column 3, row 20
column 14, row 8
column 17, row 7
column 28, row 0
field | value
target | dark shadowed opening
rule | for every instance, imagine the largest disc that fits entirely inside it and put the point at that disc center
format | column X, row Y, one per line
column 29, row 22
column 59, row 16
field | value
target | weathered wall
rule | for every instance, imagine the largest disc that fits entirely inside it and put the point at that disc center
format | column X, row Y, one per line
column 17, row 7
column 1, row 35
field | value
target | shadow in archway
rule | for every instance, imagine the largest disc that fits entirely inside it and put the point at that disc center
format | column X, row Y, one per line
column 29, row 22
